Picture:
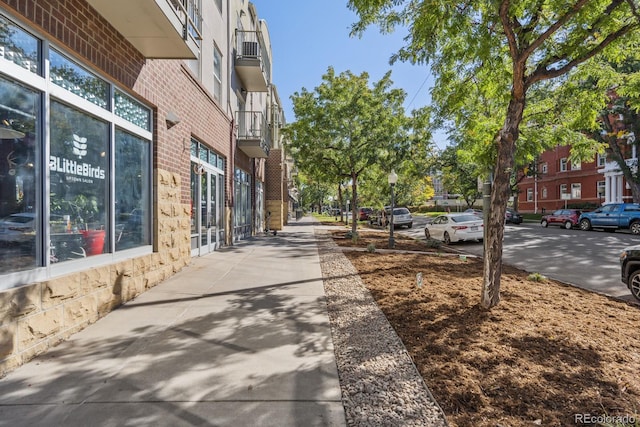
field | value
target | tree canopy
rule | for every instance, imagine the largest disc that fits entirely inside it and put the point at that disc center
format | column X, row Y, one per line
column 508, row 49
column 347, row 126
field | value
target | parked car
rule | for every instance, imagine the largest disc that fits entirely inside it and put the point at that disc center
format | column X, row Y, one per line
column 512, row 216
column 455, row 227
column 18, row 227
column 401, row 217
column 567, row 218
column 630, row 269
column 363, row 213
column 612, row 217
column 477, row 212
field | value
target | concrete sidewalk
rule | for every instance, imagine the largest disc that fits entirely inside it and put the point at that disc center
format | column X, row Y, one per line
column 240, row 337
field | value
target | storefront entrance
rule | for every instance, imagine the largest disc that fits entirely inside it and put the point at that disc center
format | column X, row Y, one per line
column 207, row 224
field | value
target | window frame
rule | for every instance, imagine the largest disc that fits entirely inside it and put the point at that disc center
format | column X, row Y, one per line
column 564, row 164
column 563, row 189
column 576, row 190
column 217, row 74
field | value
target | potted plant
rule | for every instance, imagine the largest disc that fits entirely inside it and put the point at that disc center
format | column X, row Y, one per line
column 93, row 232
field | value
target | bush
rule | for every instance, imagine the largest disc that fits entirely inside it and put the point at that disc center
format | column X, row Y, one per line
column 432, row 243
column 371, row 248
column 352, row 236
column 537, row 277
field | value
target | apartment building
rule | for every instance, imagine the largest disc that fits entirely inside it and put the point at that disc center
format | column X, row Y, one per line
column 133, row 136
column 559, row 183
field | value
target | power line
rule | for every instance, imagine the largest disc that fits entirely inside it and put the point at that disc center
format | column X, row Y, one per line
column 418, row 91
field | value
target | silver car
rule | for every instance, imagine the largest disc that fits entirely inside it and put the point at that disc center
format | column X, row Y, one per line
column 401, row 217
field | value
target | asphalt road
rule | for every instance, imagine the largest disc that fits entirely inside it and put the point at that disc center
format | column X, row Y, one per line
column 587, row 259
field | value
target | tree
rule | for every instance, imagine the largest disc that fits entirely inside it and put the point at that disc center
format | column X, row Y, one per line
column 514, row 46
column 345, row 127
column 459, row 175
column 615, row 121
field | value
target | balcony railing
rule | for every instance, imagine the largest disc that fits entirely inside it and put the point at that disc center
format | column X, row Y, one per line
column 252, row 62
column 157, row 28
column 253, row 134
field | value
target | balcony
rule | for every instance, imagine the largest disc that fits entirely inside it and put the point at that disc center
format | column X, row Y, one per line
column 253, row 134
column 162, row 29
column 252, row 61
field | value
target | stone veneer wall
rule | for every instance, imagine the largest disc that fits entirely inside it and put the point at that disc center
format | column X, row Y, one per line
column 275, row 207
column 273, row 189
column 40, row 315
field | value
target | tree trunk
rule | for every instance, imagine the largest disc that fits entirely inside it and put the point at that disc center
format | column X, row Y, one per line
column 635, row 190
column 500, row 192
column 354, row 204
column 340, row 200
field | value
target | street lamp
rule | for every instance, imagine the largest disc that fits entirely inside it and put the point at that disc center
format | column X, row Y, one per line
column 392, row 179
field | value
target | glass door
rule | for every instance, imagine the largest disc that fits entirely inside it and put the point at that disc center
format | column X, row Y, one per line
column 206, row 236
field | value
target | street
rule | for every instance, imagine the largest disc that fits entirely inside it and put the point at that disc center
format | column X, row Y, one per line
column 588, row 259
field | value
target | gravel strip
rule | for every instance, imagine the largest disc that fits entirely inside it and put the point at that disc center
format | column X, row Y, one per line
column 380, row 384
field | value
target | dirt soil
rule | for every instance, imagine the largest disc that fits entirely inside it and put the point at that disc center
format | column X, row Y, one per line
column 549, row 354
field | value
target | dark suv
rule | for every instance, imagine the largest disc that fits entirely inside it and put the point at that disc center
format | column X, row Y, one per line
column 512, row 216
column 630, row 269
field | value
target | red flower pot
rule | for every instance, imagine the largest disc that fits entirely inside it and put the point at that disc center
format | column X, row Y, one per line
column 93, row 241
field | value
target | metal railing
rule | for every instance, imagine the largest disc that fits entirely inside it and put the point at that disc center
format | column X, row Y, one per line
column 251, row 125
column 188, row 11
column 250, row 44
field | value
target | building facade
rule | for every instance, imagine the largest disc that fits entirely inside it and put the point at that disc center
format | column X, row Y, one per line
column 559, row 183
column 133, row 136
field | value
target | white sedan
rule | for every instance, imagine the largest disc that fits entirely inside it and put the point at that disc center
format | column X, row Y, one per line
column 18, row 227
column 455, row 227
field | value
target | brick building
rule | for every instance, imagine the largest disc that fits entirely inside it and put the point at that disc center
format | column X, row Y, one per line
column 560, row 183
column 134, row 136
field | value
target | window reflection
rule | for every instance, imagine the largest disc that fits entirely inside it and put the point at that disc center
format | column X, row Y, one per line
column 72, row 77
column 132, row 191
column 132, row 111
column 19, row 47
column 19, row 108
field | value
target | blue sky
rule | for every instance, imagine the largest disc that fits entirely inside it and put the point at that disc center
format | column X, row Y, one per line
column 308, row 36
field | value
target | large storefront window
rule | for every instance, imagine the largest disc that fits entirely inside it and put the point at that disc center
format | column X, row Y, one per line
column 79, row 176
column 19, row 135
column 90, row 193
column 133, row 178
